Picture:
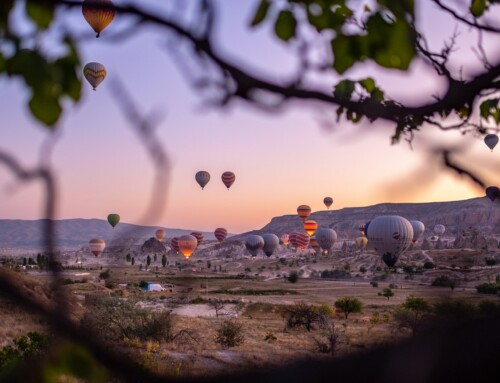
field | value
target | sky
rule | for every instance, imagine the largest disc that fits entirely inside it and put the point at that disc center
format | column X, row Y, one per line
column 281, row 160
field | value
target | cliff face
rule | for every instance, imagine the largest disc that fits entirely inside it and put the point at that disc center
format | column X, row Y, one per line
column 458, row 217
column 153, row 246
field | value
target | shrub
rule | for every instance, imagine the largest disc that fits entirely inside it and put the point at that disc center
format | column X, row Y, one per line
column 429, row 265
column 387, row 292
column 490, row 262
column 374, row 283
column 143, row 284
column 455, row 309
column 488, row 288
column 105, row 274
column 229, row 334
column 412, row 314
column 303, row 315
column 348, row 305
column 293, row 277
column 270, row 337
column 445, row 281
column 25, row 347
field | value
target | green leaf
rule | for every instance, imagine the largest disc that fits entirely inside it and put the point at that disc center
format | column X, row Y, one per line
column 261, row 13
column 41, row 12
column 285, row 25
column 45, row 109
column 331, row 17
column 344, row 89
column 368, row 83
column 478, row 7
column 344, row 50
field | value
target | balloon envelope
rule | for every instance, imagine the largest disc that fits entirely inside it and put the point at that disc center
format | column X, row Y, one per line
column 491, row 140
column 96, row 15
column 304, row 211
column 302, row 240
column 198, row 235
column 390, row 236
column 97, row 246
column 325, row 237
column 228, row 179
column 314, row 244
column 94, row 73
column 271, row 242
column 361, row 242
column 175, row 244
column 254, row 243
column 187, row 245
column 202, row 177
column 113, row 219
column 310, row 226
column 493, row 193
column 285, row 238
column 221, row 234
column 439, row 229
column 418, row 230
column 328, row 201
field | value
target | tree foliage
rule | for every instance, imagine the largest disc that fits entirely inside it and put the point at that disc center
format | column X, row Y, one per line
column 348, row 305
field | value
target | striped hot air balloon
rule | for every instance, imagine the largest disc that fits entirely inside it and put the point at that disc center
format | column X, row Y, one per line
column 97, row 246
column 228, row 179
column 175, row 244
column 304, row 212
column 202, row 177
column 328, row 202
column 160, row 234
column 310, row 226
column 326, row 238
column 271, row 243
column 94, row 73
column 221, row 234
column 285, row 238
column 187, row 245
column 302, row 240
column 253, row 244
column 98, row 13
column 293, row 239
column 198, row 235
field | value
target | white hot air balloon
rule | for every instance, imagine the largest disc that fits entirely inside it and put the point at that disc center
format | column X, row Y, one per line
column 326, row 238
column 390, row 236
column 418, row 230
column 254, row 243
column 439, row 230
column 271, row 243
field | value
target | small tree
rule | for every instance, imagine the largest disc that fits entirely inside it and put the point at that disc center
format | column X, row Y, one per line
column 293, row 277
column 429, row 265
column 105, row 274
column 304, row 315
column 412, row 313
column 348, row 305
column 128, row 257
column 229, row 334
column 218, row 305
column 330, row 344
column 133, row 261
column 164, row 260
column 155, row 258
column 148, row 261
column 387, row 292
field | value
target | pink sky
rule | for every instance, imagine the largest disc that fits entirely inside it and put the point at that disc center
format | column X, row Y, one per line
column 280, row 161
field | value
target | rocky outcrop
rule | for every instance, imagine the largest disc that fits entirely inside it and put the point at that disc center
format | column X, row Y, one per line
column 153, row 246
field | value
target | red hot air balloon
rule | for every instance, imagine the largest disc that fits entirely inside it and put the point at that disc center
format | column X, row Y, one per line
column 228, row 179
column 310, row 226
column 304, row 212
column 97, row 246
column 302, row 240
column 160, row 234
column 220, row 234
column 175, row 244
column 198, row 235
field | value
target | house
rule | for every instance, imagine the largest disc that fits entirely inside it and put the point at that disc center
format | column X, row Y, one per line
column 154, row 287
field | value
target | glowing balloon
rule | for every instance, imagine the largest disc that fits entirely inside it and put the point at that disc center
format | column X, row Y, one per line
column 113, row 219
column 228, row 179
column 160, row 234
column 418, row 230
column 310, row 226
column 328, row 202
column 493, row 193
column 271, row 243
column 175, row 244
column 97, row 246
column 221, row 234
column 202, row 177
column 187, row 245
column 94, row 73
column 326, row 238
column 97, row 17
column 390, row 236
column 304, row 212
column 253, row 244
column 198, row 235
column 439, row 229
column 285, row 238
column 361, row 242
column 491, row 140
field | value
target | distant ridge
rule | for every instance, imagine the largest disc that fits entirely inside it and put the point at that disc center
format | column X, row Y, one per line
column 77, row 232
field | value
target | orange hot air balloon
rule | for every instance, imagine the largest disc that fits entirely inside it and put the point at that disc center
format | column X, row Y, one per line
column 97, row 246
column 187, row 245
column 198, row 235
column 310, row 227
column 160, row 234
column 304, row 212
column 98, row 13
column 228, row 179
column 175, row 244
column 220, row 234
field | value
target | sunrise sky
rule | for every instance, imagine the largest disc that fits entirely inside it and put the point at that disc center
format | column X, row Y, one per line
column 280, row 160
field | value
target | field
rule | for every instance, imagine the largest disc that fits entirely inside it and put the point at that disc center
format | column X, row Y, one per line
column 255, row 293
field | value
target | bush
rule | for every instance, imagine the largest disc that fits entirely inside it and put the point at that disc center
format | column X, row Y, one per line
column 490, row 262
column 24, row 348
column 374, row 283
column 488, row 288
column 304, row 315
column 348, row 305
column 445, row 281
column 229, row 334
column 293, row 277
column 429, row 265
column 270, row 337
column 105, row 274
column 143, row 284
column 412, row 314
column 457, row 310
column 387, row 292
column 335, row 274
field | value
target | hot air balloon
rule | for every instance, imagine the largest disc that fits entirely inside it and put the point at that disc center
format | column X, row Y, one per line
column 362, row 228
column 390, row 236
column 97, row 246
column 254, row 243
column 187, row 245
column 439, row 229
column 493, row 193
column 113, row 219
column 175, row 244
column 326, row 238
column 202, row 177
column 293, row 239
column 228, row 179
column 418, row 230
column 97, row 16
column 198, row 235
column 328, row 202
column 160, row 234
column 302, row 240
column 285, row 238
column 361, row 242
column 94, row 73
column 221, row 234
column 310, row 226
column 491, row 140
column 271, row 242
column 314, row 244
column 304, row 212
